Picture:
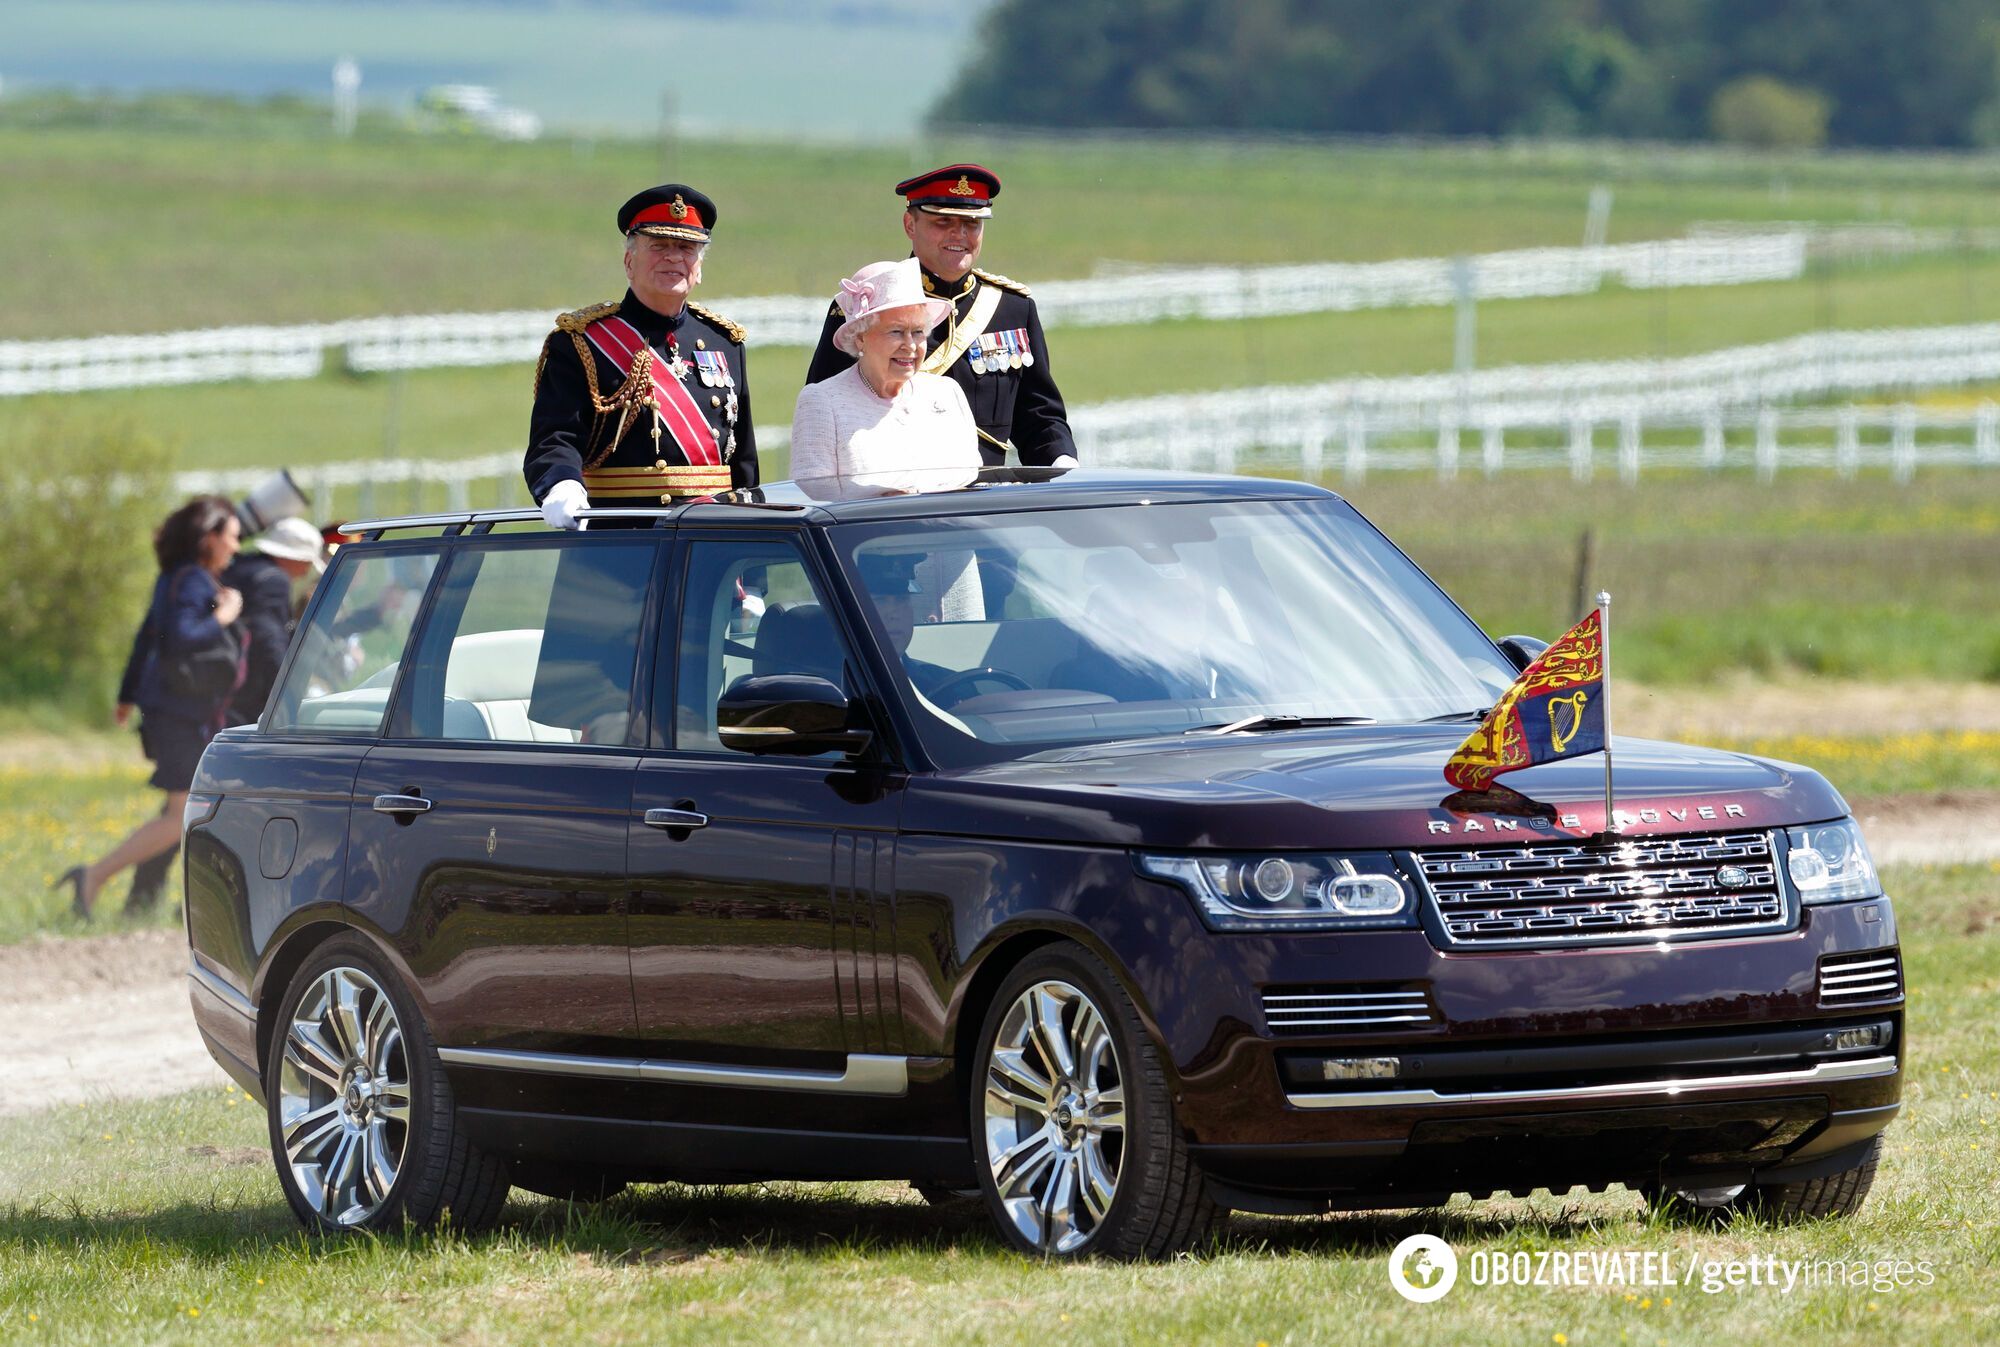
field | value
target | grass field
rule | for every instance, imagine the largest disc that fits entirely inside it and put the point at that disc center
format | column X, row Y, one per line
column 162, row 1222
column 1857, row 579
column 250, row 221
column 454, row 413
column 1711, row 574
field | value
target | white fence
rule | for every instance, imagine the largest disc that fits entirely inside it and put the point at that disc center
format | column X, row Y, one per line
column 1819, row 364
column 1130, row 295
column 1601, row 437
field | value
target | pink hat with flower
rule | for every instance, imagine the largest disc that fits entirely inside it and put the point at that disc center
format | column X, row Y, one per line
column 879, row 286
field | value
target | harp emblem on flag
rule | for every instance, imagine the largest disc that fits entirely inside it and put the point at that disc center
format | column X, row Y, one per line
column 1560, row 733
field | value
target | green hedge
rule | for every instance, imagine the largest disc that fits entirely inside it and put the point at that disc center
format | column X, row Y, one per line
column 79, row 499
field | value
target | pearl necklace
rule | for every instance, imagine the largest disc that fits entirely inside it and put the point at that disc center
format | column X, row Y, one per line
column 869, row 384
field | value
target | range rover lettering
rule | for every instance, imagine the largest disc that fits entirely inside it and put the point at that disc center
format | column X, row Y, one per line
column 1079, row 839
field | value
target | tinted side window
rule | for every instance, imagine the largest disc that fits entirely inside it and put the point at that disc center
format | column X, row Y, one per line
column 534, row 645
column 750, row 607
column 345, row 668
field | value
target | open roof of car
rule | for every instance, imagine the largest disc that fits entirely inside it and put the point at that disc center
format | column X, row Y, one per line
column 995, row 490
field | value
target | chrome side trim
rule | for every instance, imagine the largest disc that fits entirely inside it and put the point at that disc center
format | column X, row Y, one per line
column 1819, row 1073
column 866, row 1073
column 221, row 990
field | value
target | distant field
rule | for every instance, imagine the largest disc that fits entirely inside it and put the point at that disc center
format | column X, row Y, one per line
column 1711, row 574
column 551, row 59
column 138, row 225
column 454, row 413
column 145, row 225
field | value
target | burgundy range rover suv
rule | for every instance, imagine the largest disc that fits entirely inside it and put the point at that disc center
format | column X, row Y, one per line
column 1081, row 840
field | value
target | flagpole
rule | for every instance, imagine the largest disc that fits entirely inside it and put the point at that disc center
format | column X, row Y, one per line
column 1604, row 629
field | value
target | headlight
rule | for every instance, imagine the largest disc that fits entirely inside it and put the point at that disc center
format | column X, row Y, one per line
column 1830, row 863
column 1360, row 890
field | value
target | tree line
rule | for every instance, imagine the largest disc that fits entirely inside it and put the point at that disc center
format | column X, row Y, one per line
column 1764, row 72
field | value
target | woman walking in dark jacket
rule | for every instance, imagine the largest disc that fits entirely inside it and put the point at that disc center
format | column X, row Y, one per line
column 189, row 616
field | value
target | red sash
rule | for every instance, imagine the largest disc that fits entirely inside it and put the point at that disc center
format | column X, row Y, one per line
column 679, row 412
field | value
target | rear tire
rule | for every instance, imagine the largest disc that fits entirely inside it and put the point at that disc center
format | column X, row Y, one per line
column 363, row 1127
column 1075, row 1141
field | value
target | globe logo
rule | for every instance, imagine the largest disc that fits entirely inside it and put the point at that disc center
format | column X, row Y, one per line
column 1422, row 1268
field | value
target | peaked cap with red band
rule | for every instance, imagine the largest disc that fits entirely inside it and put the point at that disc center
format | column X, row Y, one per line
column 955, row 189
column 672, row 211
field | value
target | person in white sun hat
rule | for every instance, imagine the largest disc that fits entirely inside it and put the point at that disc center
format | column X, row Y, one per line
column 883, row 426
column 265, row 572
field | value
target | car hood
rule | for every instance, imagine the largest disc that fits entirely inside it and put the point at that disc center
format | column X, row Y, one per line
column 1372, row 786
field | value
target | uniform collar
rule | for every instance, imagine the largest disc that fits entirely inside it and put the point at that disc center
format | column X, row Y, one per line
column 651, row 324
column 935, row 284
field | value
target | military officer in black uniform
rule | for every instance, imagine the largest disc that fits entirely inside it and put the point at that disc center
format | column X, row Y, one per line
column 991, row 342
column 645, row 399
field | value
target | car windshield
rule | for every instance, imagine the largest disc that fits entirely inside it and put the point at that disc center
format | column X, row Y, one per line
column 1015, row 633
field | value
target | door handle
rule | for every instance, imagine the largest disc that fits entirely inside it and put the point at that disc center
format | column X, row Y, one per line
column 672, row 819
column 402, row 806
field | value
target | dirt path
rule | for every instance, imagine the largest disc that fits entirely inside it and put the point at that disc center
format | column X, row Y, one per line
column 99, row 1018
column 107, row 1017
column 1760, row 708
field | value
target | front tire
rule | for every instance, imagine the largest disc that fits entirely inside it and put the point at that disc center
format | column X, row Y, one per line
column 1840, row 1193
column 363, row 1127
column 1074, row 1135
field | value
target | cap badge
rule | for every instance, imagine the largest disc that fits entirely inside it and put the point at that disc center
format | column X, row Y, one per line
column 679, row 210
column 964, row 188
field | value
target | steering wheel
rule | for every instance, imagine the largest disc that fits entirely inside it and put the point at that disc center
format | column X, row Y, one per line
column 947, row 692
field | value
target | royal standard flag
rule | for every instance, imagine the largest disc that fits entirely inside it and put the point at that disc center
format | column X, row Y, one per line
column 1554, row 710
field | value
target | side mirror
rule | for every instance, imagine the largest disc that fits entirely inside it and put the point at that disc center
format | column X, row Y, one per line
column 794, row 714
column 1522, row 650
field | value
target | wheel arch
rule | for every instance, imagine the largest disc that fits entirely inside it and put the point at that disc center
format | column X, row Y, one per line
column 279, row 969
column 1007, row 951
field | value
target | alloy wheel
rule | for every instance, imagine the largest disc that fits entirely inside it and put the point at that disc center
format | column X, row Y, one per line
column 1055, row 1116
column 344, row 1096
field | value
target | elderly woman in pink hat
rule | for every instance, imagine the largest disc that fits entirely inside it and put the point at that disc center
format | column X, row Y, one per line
column 884, row 426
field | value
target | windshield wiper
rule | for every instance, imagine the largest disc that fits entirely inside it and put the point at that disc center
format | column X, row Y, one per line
column 1257, row 723
column 1456, row 715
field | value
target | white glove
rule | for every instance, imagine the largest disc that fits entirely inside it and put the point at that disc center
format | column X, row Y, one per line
column 1063, row 461
column 565, row 498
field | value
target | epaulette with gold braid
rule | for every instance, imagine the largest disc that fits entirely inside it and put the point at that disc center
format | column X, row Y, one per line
column 576, row 320
column 734, row 331
column 1004, row 282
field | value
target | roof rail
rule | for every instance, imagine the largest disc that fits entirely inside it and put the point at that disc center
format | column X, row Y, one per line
column 482, row 520
column 454, row 522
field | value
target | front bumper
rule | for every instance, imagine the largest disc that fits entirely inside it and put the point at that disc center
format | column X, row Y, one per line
column 1635, row 1064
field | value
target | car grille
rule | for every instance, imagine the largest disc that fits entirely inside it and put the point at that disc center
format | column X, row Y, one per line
column 1332, row 1010
column 1854, row 979
column 1650, row 888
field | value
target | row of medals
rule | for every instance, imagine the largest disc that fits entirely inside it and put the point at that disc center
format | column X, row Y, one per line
column 678, row 368
column 999, row 360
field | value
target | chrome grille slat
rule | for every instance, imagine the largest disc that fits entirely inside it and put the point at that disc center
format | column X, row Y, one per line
column 1869, row 976
column 1646, row 888
column 1331, row 1009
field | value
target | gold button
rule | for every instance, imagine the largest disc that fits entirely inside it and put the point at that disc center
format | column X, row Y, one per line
column 666, row 500
column 660, row 465
column 700, row 345
column 715, row 400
